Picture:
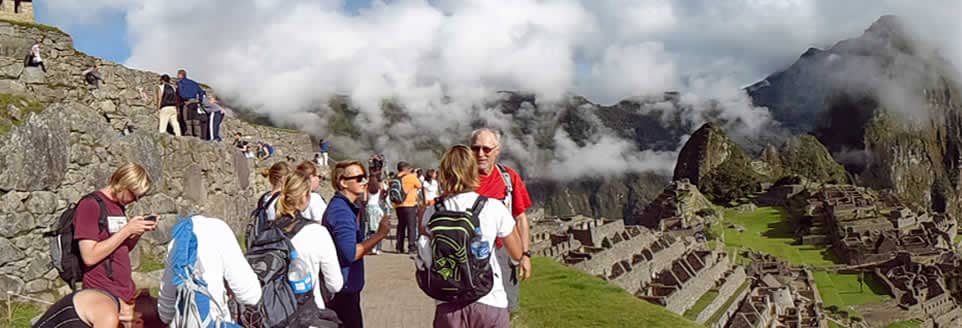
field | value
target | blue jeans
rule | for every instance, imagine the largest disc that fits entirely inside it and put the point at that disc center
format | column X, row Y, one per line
column 216, row 118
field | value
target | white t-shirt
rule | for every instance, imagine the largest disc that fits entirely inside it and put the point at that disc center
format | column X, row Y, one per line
column 315, row 211
column 220, row 258
column 430, row 189
column 272, row 207
column 35, row 50
column 314, row 244
column 496, row 221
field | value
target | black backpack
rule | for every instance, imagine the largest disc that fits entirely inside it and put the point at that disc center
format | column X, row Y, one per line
column 460, row 268
column 258, row 216
column 269, row 256
column 395, row 190
column 64, row 253
column 169, row 97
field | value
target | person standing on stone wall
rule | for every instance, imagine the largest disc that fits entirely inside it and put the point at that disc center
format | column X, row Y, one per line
column 167, row 106
column 502, row 182
column 106, row 253
column 215, row 117
column 190, row 96
column 324, row 149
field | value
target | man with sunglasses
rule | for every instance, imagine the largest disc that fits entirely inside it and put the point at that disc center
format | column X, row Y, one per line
column 503, row 183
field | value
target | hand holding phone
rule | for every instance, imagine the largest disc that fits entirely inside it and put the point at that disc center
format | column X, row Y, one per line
column 152, row 218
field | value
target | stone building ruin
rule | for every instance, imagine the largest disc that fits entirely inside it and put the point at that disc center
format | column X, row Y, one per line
column 17, row 10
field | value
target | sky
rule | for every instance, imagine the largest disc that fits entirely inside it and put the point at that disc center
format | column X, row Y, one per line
column 286, row 57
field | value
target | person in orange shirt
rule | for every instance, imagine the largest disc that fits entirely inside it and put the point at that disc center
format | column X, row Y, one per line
column 407, row 211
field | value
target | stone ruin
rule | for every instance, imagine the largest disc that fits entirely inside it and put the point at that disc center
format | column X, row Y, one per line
column 864, row 227
column 780, row 296
column 679, row 207
column 922, row 289
column 671, row 270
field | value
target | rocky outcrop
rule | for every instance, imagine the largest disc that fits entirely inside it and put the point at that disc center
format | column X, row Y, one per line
column 717, row 166
column 804, row 155
column 886, row 105
column 62, row 140
column 613, row 197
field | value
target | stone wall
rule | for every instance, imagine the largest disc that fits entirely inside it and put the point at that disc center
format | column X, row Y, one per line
column 727, row 289
column 53, row 156
column 25, row 14
column 683, row 299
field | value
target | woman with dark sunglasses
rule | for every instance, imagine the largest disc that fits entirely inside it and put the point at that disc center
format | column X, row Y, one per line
column 349, row 179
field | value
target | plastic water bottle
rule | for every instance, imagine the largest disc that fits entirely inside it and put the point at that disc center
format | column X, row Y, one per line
column 299, row 275
column 479, row 248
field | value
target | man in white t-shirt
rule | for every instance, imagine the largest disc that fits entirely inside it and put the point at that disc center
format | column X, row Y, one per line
column 220, row 257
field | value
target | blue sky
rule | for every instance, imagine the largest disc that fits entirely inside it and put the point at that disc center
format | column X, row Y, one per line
column 108, row 38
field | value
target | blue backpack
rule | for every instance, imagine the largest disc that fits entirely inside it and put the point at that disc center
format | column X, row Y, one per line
column 193, row 306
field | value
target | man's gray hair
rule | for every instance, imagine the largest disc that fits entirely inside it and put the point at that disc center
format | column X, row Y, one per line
column 478, row 132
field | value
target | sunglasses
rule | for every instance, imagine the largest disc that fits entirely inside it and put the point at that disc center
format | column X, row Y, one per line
column 357, row 178
column 486, row 149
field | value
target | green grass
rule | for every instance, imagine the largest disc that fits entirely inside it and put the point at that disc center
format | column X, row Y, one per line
column 843, row 290
column 701, row 304
column 558, row 296
column 721, row 311
column 21, row 314
column 914, row 323
column 42, row 27
column 769, row 230
column 832, row 324
column 26, row 106
column 150, row 264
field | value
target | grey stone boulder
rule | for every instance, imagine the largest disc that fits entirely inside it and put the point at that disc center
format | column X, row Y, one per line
column 33, row 75
column 35, row 154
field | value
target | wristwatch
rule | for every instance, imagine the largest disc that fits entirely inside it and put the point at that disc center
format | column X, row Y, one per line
column 526, row 253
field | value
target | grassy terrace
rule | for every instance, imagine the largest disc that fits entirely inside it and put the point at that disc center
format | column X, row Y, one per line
column 769, row 230
column 17, row 314
column 721, row 311
column 559, row 296
column 701, row 304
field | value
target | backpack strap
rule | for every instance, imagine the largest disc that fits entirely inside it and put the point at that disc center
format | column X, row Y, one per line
column 260, row 201
column 509, row 187
column 476, row 210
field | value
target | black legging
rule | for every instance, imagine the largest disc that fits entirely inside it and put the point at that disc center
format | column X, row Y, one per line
column 407, row 225
column 348, row 309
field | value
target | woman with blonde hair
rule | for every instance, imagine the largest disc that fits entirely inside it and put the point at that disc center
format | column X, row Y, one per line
column 105, row 236
column 317, row 207
column 311, row 240
column 276, row 175
column 458, row 177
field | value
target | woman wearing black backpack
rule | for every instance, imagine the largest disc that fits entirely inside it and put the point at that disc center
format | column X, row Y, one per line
column 481, row 300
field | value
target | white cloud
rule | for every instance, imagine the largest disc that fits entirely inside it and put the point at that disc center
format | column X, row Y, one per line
column 444, row 57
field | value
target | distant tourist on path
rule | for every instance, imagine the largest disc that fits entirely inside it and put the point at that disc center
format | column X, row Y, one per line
column 341, row 219
column 85, row 308
column 106, row 252
column 376, row 207
column 502, row 182
column 325, row 147
column 167, row 106
column 485, row 306
column 403, row 193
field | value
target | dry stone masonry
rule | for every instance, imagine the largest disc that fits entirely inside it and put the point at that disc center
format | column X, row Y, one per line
column 60, row 139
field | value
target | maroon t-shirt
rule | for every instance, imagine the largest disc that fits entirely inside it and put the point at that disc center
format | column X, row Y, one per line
column 86, row 227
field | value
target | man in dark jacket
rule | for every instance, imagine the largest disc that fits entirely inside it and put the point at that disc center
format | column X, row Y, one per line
column 190, row 95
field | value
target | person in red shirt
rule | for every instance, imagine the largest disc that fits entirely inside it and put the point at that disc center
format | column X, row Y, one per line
column 106, row 253
column 486, row 146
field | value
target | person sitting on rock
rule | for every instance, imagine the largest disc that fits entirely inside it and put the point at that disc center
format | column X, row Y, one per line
column 106, row 252
column 34, row 59
column 220, row 256
column 92, row 76
column 85, row 308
